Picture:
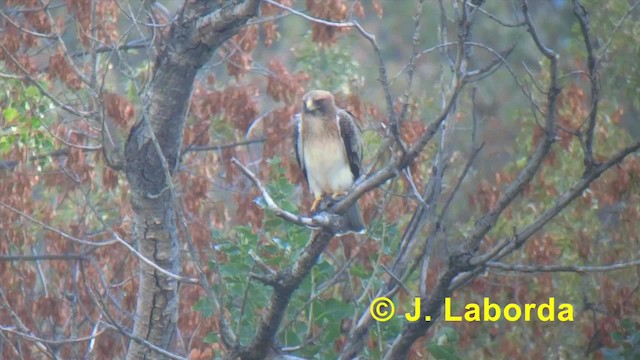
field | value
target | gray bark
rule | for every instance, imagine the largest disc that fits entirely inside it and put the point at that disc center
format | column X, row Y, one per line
column 199, row 28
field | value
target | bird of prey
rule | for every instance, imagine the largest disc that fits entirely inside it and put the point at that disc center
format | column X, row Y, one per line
column 329, row 151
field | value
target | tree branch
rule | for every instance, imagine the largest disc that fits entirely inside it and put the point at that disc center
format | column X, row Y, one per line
column 312, row 223
column 11, row 164
column 382, row 70
column 153, row 152
column 229, row 18
column 561, row 268
column 487, row 221
column 581, row 14
column 507, row 246
column 66, row 257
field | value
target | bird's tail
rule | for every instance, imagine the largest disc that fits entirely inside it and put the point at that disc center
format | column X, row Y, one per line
column 353, row 219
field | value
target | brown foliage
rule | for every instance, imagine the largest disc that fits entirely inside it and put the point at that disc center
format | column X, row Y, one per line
column 12, row 39
column 107, row 12
column 238, row 53
column 239, row 106
column 377, row 8
column 118, row 108
column 271, row 27
column 214, row 195
column 618, row 184
column 205, row 103
column 278, row 127
column 283, row 86
column 59, row 68
column 331, row 10
column 247, row 211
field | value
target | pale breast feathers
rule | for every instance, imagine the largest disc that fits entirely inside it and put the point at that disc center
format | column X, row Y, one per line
column 329, row 153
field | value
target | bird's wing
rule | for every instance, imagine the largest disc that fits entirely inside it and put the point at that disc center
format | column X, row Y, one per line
column 350, row 133
column 297, row 144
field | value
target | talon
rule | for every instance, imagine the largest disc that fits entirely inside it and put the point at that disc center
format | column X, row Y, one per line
column 336, row 195
column 316, row 202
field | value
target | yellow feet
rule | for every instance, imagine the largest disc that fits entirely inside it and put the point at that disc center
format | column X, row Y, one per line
column 336, row 195
column 318, row 199
column 316, row 202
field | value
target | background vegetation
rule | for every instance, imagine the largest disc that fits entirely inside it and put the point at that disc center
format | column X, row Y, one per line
column 148, row 184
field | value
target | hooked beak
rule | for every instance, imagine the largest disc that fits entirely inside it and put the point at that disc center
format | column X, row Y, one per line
column 309, row 106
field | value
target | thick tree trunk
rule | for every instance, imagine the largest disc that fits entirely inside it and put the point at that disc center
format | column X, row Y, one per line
column 200, row 28
column 154, row 218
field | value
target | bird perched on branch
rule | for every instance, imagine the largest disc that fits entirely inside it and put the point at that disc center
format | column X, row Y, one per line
column 329, row 152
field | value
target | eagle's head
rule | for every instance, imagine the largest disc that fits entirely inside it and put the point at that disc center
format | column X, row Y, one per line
column 318, row 102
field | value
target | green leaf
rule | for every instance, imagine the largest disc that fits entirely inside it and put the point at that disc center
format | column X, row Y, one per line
column 48, row 144
column 627, row 324
column 35, row 122
column 246, row 233
column 5, row 144
column 333, row 309
column 10, row 114
column 211, row 338
column 359, row 271
column 617, row 336
column 450, row 333
column 32, row 91
column 235, row 271
column 204, row 306
column 446, row 352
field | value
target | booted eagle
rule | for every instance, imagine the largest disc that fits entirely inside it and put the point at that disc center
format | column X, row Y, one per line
column 329, row 151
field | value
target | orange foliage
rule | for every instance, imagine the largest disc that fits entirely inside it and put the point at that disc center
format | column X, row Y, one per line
column 59, row 68
column 214, row 195
column 282, row 86
column 106, row 16
column 271, row 27
column 118, row 108
column 239, row 50
column 331, row 10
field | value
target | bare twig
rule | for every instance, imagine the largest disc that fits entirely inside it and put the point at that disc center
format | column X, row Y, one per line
column 140, row 340
column 382, row 70
column 442, row 34
column 507, row 246
column 384, row 81
column 486, row 222
column 496, row 19
column 40, row 340
column 581, row 14
column 201, row 148
column 605, row 48
column 43, row 347
column 463, row 175
column 308, row 17
column 312, row 223
column 11, row 164
column 411, row 66
column 65, row 257
column 57, row 231
column 228, row 337
column 27, row 31
column 43, row 91
column 131, row 45
column 358, row 333
column 561, row 268
column 285, row 283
